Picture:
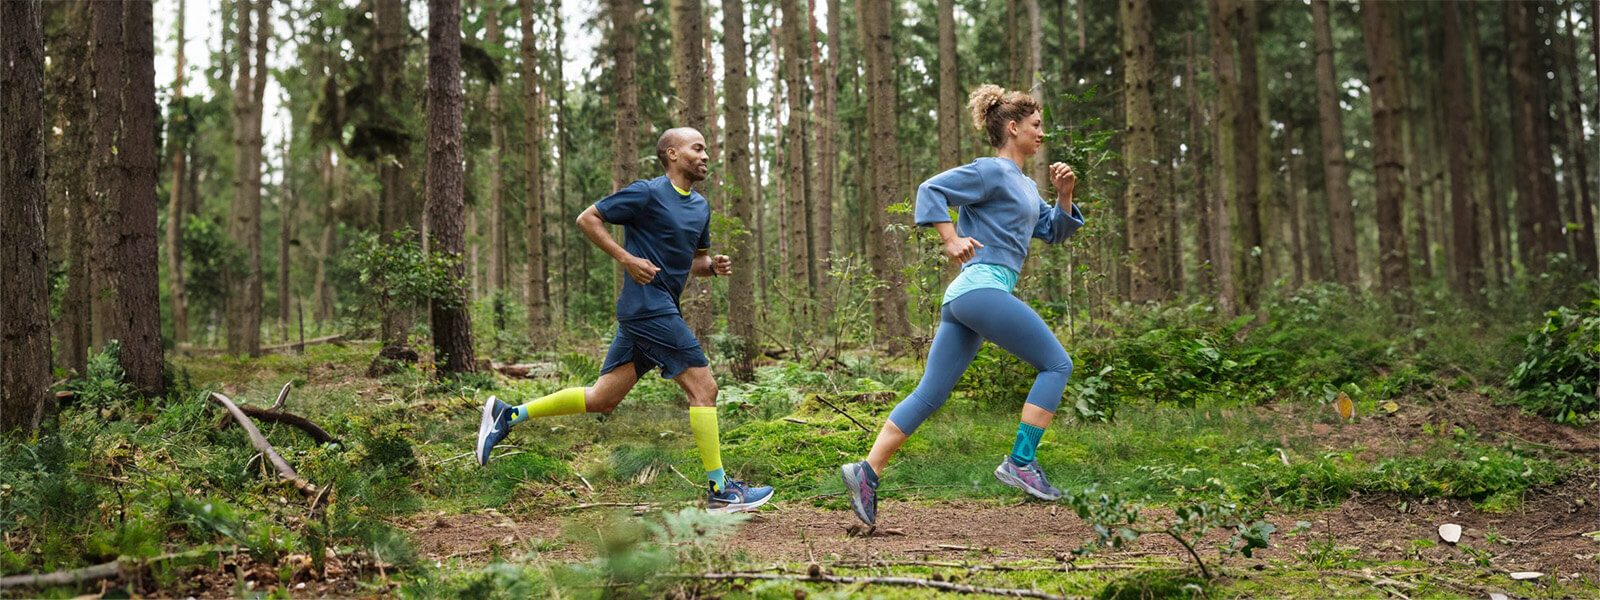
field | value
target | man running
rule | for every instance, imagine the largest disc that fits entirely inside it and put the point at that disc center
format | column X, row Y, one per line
column 668, row 238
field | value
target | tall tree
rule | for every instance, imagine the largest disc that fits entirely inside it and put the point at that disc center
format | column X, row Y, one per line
column 1335, row 167
column 1538, row 211
column 452, row 326
column 1466, row 269
column 624, row 165
column 397, row 203
column 533, row 171
column 689, row 110
column 68, row 161
column 822, row 77
column 1143, row 204
column 1578, row 148
column 1496, row 228
column 107, row 56
column 740, row 196
column 1222, row 58
column 24, row 264
column 949, row 88
column 797, row 226
column 1197, row 158
column 177, row 150
column 244, row 297
column 1377, row 27
column 1247, row 155
column 497, row 148
column 877, row 41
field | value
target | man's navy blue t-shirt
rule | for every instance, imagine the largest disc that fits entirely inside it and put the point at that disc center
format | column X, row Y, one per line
column 665, row 228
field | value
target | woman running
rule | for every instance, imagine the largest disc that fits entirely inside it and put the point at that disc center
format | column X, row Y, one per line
column 999, row 210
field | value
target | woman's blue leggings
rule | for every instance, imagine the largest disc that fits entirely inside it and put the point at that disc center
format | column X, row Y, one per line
column 966, row 322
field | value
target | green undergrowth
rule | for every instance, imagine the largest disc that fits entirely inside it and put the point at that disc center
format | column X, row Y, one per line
column 1169, row 407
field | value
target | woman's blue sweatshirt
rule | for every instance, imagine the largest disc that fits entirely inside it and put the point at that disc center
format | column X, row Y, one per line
column 997, row 205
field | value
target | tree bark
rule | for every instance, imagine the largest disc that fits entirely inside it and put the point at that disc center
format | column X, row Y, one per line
column 107, row 56
column 452, row 327
column 1143, row 205
column 1578, row 148
column 689, row 110
column 533, row 169
column 244, row 297
column 288, row 213
column 69, row 156
column 797, row 227
column 1335, row 167
column 889, row 301
column 24, row 262
column 333, row 183
column 949, row 89
column 1197, row 158
column 1496, row 229
column 177, row 149
column 1538, row 212
column 1386, row 101
column 1247, row 154
column 137, row 260
column 1466, row 270
column 740, row 196
column 624, row 165
column 397, row 206
column 1227, row 125
column 498, row 277
column 822, row 77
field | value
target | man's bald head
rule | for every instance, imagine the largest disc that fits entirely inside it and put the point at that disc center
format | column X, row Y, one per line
column 687, row 145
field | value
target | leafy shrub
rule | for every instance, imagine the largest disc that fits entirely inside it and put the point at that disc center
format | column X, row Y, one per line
column 1557, row 376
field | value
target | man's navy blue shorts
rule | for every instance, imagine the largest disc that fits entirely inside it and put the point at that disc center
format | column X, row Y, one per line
column 661, row 341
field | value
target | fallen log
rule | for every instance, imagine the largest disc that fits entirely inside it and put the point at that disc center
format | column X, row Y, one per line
column 328, row 339
column 260, row 442
column 95, row 572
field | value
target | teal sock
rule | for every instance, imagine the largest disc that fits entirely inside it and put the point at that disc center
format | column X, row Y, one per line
column 717, row 478
column 1027, row 446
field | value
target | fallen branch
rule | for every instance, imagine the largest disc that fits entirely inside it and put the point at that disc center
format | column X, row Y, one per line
column 96, row 572
column 900, row 581
column 331, row 339
column 296, row 421
column 260, row 443
column 1064, row 567
column 283, row 396
column 633, row 505
column 842, row 412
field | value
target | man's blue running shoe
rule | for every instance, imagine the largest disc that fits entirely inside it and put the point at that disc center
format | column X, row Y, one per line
column 736, row 496
column 493, row 427
column 861, row 486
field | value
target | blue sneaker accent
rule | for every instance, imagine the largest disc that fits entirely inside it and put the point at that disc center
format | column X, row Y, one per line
column 861, row 486
column 736, row 496
column 492, row 427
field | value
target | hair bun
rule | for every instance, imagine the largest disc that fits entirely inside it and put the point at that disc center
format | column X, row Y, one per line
column 983, row 100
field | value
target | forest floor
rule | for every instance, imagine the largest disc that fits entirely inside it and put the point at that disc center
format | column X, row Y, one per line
column 605, row 505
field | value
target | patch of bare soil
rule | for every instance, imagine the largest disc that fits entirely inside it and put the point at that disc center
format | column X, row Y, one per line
column 1402, row 432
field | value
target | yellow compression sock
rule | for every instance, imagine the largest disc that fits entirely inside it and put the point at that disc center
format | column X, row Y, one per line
column 703, row 422
column 565, row 402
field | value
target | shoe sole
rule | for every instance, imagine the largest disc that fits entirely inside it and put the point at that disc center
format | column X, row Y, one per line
column 1013, row 481
column 740, row 507
column 485, row 425
column 851, row 484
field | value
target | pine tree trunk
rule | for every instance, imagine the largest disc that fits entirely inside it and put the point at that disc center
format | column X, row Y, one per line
column 1496, row 227
column 1466, row 271
column 624, row 167
column 1538, row 212
column 889, row 301
column 107, row 56
column 333, row 183
column 69, row 156
column 822, row 77
column 1143, row 205
column 244, row 296
column 1034, row 85
column 24, row 261
column 1388, row 152
column 1197, row 158
column 498, row 278
column 533, row 169
column 740, row 196
column 1227, row 125
column 452, row 327
column 1579, row 146
column 286, row 232
column 1083, row 27
column 1295, row 208
column 797, row 226
column 949, row 89
column 177, row 150
column 688, row 65
column 396, row 207
column 1335, row 167
column 1247, row 156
